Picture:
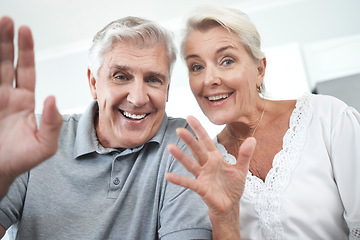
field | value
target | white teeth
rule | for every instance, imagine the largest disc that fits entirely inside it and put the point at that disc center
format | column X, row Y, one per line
column 134, row 116
column 214, row 98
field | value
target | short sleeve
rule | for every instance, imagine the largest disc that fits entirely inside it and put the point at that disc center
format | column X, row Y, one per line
column 12, row 204
column 345, row 157
column 183, row 215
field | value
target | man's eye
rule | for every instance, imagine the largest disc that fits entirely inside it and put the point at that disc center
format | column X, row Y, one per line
column 120, row 77
column 154, row 80
column 196, row 68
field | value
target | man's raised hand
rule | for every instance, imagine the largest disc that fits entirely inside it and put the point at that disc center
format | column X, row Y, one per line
column 22, row 144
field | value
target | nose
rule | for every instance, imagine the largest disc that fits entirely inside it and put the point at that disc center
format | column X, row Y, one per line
column 138, row 94
column 212, row 77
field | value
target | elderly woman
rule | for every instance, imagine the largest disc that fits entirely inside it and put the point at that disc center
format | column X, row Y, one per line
column 304, row 175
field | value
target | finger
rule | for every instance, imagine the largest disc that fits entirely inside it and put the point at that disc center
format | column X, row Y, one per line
column 201, row 133
column 190, row 164
column 6, row 51
column 182, row 181
column 50, row 126
column 196, row 149
column 25, row 70
column 245, row 152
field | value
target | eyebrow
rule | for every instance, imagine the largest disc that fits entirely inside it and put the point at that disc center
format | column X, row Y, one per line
column 223, row 49
column 191, row 56
column 217, row 51
column 156, row 74
column 120, row 67
column 148, row 74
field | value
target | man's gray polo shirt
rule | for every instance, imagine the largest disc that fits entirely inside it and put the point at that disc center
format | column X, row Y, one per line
column 86, row 191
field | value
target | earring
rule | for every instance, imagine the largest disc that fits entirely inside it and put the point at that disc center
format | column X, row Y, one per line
column 258, row 88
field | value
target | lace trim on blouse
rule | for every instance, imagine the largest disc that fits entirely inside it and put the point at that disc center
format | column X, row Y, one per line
column 266, row 196
column 354, row 230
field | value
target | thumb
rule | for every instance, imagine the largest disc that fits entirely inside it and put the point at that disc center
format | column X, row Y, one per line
column 50, row 125
column 245, row 152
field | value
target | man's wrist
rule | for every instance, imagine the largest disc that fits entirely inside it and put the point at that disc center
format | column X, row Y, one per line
column 5, row 183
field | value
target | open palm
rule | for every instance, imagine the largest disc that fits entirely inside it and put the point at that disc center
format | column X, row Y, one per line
column 220, row 184
column 22, row 144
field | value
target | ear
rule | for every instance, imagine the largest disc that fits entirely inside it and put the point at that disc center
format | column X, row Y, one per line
column 167, row 92
column 262, row 67
column 261, row 71
column 92, row 83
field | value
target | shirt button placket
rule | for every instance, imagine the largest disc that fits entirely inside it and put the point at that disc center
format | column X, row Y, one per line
column 115, row 183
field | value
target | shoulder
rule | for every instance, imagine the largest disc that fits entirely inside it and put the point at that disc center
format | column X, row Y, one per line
column 177, row 123
column 327, row 102
column 329, row 110
column 71, row 117
column 69, row 127
column 329, row 107
column 321, row 104
column 87, row 117
column 66, row 118
column 170, row 135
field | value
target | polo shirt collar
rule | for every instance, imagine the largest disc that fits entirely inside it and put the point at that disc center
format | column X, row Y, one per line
column 86, row 140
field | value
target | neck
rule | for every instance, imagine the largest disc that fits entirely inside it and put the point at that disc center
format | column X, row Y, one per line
column 232, row 131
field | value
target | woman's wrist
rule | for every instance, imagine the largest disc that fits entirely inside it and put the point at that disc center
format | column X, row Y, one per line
column 226, row 224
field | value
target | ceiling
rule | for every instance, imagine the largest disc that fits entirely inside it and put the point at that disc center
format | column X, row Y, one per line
column 69, row 23
column 62, row 22
column 61, row 26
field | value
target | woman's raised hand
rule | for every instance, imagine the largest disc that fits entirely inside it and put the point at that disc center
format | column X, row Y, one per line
column 219, row 183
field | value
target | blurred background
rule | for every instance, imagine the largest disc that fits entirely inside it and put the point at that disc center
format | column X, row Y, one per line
column 311, row 46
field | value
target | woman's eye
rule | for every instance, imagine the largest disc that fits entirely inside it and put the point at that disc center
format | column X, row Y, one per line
column 227, row 62
column 196, row 68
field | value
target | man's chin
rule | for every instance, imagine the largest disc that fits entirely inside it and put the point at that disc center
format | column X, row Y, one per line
column 134, row 140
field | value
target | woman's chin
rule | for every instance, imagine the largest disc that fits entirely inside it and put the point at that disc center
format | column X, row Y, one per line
column 217, row 120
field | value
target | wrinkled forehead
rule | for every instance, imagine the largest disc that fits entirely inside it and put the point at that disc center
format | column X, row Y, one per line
column 214, row 35
column 221, row 35
column 202, row 27
column 138, row 57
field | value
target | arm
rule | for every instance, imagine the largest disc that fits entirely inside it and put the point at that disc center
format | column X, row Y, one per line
column 2, row 231
column 22, row 144
column 345, row 157
column 218, row 183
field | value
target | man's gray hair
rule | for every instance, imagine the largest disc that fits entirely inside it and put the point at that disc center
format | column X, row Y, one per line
column 134, row 30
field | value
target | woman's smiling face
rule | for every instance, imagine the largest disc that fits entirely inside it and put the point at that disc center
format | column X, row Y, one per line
column 223, row 76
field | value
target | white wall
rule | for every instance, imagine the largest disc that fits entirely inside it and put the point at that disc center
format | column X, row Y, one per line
column 332, row 58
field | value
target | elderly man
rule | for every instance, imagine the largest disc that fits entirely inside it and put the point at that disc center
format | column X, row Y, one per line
column 107, row 178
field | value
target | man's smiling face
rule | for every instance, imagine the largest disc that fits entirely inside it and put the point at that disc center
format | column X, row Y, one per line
column 131, row 89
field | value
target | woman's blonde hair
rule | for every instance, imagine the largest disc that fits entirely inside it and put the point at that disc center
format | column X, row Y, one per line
column 235, row 21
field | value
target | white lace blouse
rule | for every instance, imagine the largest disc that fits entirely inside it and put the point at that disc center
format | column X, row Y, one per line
column 313, row 188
